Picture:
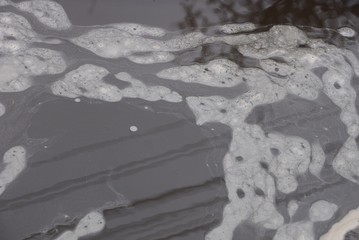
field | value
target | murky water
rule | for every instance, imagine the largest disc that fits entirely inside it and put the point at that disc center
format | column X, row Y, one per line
column 160, row 119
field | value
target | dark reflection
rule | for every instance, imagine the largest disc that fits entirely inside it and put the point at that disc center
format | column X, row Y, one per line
column 316, row 13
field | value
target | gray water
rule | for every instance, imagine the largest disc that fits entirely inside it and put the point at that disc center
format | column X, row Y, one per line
column 166, row 180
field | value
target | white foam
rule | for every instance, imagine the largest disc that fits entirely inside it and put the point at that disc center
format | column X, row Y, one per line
column 216, row 73
column 251, row 169
column 140, row 30
column 133, row 129
column 149, row 93
column 2, row 109
column 346, row 161
column 87, row 81
column 15, row 33
column 322, row 210
column 111, row 42
column 257, row 164
column 317, row 160
column 346, row 32
column 89, row 225
column 151, row 58
column 16, row 71
column 92, row 223
column 277, row 41
column 236, row 28
column 292, row 208
column 14, row 162
column 48, row 12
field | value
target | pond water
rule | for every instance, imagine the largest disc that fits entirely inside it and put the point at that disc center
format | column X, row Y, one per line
column 183, row 120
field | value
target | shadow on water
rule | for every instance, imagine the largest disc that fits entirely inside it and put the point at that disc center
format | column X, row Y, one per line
column 316, row 13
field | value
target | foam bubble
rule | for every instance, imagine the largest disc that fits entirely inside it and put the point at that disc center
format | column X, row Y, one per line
column 48, row 12
column 133, row 129
column 317, row 160
column 216, row 73
column 292, row 208
column 14, row 161
column 322, row 210
column 346, row 32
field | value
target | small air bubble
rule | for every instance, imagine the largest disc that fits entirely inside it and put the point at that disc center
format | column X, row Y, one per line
column 337, row 85
column 259, row 192
column 239, row 158
column 77, row 100
column 264, row 165
column 133, row 129
column 275, row 151
column 240, row 193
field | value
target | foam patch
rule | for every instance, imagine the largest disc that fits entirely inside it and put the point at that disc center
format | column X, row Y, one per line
column 14, row 162
column 217, row 73
column 2, row 109
column 87, row 81
column 149, row 93
column 322, row 210
column 16, row 71
column 151, row 58
column 48, row 12
column 346, row 32
column 89, row 225
column 15, row 33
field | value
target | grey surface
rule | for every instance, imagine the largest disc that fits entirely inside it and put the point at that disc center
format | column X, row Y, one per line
column 170, row 171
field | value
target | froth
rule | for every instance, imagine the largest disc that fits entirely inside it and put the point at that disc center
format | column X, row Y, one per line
column 14, row 162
